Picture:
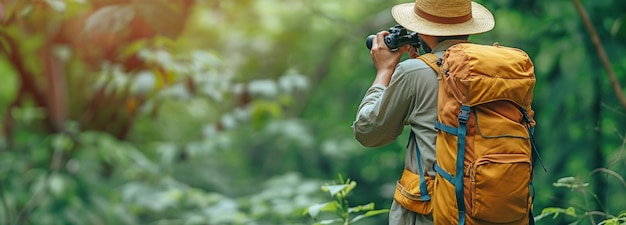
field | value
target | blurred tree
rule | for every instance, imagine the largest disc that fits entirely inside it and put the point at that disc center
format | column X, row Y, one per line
column 47, row 42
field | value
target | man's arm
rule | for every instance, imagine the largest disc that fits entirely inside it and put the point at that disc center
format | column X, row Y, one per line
column 384, row 59
column 383, row 110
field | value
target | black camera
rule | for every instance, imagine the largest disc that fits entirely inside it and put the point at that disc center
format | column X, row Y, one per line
column 398, row 36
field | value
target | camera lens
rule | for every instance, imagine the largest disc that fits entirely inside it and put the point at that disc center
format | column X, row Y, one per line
column 393, row 42
column 368, row 41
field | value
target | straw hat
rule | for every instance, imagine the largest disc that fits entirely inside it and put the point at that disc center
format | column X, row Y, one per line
column 444, row 17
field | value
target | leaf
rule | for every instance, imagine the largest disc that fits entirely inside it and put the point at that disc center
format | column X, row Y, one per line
column 556, row 211
column 334, row 189
column 360, row 208
column 570, row 182
column 328, row 221
column 58, row 5
column 112, row 18
column 144, row 82
column 612, row 221
column 351, row 186
column 618, row 30
column 369, row 214
column 162, row 15
column 541, row 216
column 61, row 142
column 574, row 223
column 315, row 210
column 56, row 185
column 26, row 10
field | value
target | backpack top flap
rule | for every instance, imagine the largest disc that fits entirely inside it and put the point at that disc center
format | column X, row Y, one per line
column 480, row 74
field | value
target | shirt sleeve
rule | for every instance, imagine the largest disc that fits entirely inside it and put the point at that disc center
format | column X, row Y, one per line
column 383, row 111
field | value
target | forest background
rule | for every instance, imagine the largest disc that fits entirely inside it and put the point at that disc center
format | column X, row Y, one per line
column 237, row 112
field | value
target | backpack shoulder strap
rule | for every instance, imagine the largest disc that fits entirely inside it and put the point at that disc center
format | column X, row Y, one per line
column 433, row 61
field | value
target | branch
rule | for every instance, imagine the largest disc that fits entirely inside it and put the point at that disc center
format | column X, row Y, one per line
column 56, row 87
column 610, row 172
column 605, row 60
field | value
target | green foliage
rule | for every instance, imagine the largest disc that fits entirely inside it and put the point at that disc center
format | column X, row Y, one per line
column 580, row 214
column 341, row 207
column 112, row 182
column 231, row 112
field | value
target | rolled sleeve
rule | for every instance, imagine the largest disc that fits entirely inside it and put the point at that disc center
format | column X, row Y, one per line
column 383, row 111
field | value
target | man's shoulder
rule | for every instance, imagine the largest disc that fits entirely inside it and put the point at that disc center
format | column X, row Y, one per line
column 414, row 71
column 415, row 66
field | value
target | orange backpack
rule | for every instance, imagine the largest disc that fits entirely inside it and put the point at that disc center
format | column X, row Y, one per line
column 485, row 144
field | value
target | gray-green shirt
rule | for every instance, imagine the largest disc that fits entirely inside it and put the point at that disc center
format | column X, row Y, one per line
column 410, row 99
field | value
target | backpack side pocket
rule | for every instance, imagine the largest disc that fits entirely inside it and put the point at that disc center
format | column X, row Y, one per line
column 408, row 193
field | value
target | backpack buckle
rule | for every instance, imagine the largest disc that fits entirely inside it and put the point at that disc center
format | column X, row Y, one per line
column 464, row 114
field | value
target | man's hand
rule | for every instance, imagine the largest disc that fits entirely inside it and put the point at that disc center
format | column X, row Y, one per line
column 413, row 52
column 384, row 59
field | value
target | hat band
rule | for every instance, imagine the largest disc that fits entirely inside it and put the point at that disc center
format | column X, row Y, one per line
column 439, row 19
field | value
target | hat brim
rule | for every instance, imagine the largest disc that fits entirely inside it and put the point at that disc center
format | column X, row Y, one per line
column 481, row 21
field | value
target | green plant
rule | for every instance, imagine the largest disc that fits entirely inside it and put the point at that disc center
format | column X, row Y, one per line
column 579, row 214
column 340, row 205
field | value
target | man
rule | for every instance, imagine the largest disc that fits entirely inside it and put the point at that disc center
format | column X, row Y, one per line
column 405, row 93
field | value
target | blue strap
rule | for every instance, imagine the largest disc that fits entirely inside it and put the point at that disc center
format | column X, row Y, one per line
column 531, row 218
column 424, row 196
column 531, row 134
column 457, row 180
column 445, row 128
column 460, row 156
column 535, row 155
column 444, row 174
